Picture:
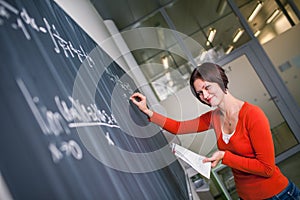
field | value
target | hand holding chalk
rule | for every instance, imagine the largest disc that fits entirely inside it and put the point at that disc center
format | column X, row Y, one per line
column 141, row 102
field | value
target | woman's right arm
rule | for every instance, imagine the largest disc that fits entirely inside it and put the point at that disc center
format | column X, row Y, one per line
column 198, row 124
column 141, row 102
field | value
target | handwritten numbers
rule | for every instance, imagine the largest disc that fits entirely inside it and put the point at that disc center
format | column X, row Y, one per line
column 28, row 20
column 70, row 148
column 55, row 153
column 21, row 20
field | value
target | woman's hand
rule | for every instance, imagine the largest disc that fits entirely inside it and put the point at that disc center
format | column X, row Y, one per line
column 141, row 102
column 215, row 158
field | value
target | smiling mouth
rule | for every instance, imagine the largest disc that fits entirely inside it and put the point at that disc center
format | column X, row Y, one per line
column 208, row 99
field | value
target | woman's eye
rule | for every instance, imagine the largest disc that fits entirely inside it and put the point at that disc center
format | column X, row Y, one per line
column 207, row 87
column 199, row 93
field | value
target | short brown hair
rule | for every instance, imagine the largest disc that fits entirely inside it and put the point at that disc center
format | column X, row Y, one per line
column 209, row 72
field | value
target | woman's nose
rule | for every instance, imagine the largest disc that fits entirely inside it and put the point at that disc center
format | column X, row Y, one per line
column 205, row 94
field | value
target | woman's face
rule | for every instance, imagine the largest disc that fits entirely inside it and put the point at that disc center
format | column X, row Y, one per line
column 209, row 92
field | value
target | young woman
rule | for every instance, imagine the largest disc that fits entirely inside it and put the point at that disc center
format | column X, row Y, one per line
column 243, row 135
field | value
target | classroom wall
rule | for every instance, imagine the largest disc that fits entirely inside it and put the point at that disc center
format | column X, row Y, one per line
column 284, row 52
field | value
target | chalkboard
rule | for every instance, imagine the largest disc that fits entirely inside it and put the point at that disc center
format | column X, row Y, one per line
column 68, row 129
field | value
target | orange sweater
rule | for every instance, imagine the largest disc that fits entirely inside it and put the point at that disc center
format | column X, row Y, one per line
column 250, row 152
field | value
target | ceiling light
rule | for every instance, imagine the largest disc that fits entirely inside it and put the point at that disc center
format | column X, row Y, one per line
column 165, row 62
column 273, row 16
column 255, row 11
column 230, row 48
column 211, row 36
column 221, row 7
column 257, row 33
column 237, row 35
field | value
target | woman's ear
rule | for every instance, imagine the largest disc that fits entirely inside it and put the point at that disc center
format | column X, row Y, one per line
column 226, row 90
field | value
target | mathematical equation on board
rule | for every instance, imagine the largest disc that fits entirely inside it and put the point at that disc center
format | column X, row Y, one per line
column 128, row 91
column 21, row 20
column 67, row 117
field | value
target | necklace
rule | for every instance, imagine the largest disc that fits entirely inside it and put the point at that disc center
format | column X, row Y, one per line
column 229, row 120
column 229, row 123
column 232, row 117
column 226, row 120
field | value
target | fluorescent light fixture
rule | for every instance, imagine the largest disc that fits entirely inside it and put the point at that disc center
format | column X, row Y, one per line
column 237, row 35
column 273, row 16
column 221, row 7
column 257, row 33
column 230, row 48
column 211, row 36
column 165, row 62
column 255, row 11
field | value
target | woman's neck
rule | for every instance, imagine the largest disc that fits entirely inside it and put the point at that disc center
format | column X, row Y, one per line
column 230, row 105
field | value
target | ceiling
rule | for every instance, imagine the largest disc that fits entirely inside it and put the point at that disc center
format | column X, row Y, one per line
column 193, row 18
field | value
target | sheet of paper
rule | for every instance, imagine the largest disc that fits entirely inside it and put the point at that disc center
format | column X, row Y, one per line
column 193, row 159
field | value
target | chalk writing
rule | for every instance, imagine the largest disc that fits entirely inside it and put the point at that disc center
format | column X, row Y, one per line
column 56, row 123
column 70, row 148
column 110, row 141
column 125, row 86
column 84, row 115
column 21, row 20
column 60, row 122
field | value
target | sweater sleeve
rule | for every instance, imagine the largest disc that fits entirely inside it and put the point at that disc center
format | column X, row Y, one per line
column 263, row 162
column 198, row 124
